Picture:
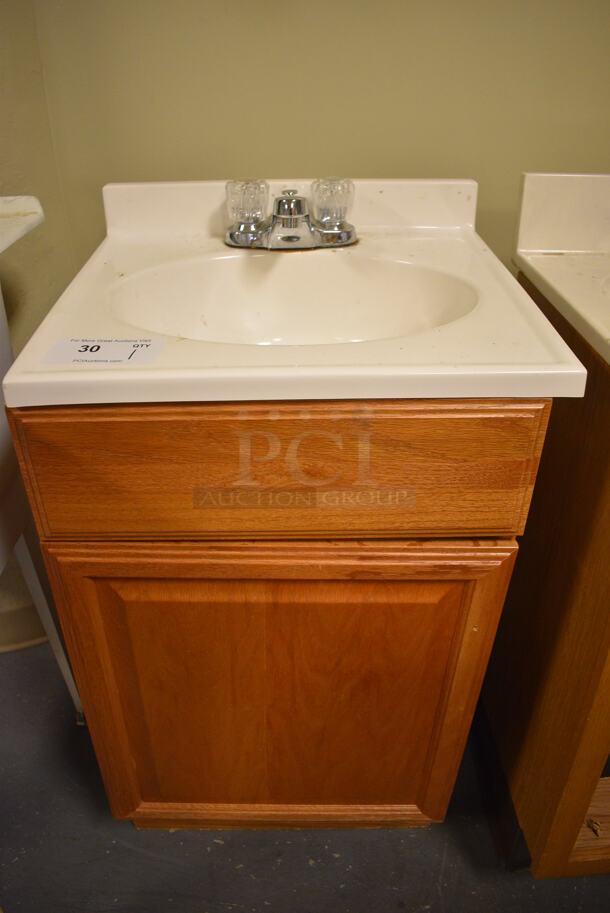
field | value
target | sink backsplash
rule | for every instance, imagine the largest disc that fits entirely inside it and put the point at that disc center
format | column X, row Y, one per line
column 177, row 209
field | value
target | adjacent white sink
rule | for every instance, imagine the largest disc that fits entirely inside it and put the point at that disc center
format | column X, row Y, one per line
column 564, row 248
column 164, row 311
column 270, row 298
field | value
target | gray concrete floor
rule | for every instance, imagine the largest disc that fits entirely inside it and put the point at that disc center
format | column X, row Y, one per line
column 61, row 851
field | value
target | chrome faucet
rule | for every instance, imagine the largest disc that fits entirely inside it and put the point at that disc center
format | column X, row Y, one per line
column 290, row 226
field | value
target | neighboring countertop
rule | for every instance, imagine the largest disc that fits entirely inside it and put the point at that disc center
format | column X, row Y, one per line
column 504, row 347
column 564, row 249
column 18, row 215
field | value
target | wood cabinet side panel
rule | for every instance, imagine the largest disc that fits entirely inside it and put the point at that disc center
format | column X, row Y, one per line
column 593, row 842
column 547, row 665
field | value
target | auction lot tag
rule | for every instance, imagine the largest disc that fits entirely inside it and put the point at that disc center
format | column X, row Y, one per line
column 85, row 352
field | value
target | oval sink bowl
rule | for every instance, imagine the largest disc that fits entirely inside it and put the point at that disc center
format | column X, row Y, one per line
column 291, row 299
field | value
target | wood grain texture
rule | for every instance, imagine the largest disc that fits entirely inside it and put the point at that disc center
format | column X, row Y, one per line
column 315, row 469
column 193, row 815
column 547, row 694
column 593, row 841
column 294, row 682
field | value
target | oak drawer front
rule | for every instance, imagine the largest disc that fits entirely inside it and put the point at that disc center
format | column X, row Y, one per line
column 426, row 468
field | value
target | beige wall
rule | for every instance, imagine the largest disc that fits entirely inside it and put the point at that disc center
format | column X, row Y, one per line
column 187, row 89
column 34, row 271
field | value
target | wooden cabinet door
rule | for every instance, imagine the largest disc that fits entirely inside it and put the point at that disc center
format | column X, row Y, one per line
column 289, row 683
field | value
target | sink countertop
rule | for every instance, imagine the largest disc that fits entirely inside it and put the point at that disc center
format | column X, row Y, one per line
column 564, row 249
column 18, row 216
column 500, row 346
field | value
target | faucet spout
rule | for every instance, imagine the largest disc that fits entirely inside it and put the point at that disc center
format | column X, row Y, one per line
column 290, row 224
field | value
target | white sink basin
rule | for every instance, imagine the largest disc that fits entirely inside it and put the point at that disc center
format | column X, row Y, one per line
column 291, row 299
column 164, row 311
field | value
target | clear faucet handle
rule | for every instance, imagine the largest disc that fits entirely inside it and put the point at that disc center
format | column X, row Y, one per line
column 247, row 200
column 332, row 199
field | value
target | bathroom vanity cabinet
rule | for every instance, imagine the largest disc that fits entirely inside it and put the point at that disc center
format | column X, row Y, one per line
column 552, row 729
column 280, row 613
column 278, row 494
